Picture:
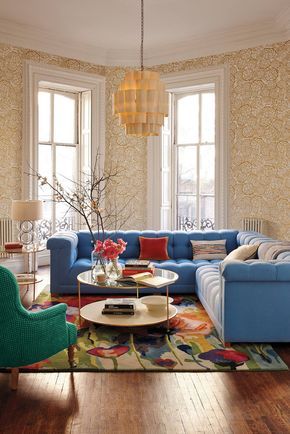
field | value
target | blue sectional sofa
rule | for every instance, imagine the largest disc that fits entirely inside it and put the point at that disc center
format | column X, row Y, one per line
column 247, row 301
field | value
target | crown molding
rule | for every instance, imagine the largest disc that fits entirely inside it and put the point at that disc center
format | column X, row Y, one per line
column 220, row 42
column 276, row 30
column 30, row 37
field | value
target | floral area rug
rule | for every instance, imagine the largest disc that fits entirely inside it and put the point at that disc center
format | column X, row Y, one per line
column 191, row 345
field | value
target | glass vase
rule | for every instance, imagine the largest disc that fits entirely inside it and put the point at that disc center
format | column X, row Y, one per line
column 98, row 265
column 113, row 270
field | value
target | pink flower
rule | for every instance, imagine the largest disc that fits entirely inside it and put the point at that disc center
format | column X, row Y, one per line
column 109, row 249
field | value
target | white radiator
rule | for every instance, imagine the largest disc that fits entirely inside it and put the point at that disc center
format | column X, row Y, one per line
column 253, row 224
column 6, row 233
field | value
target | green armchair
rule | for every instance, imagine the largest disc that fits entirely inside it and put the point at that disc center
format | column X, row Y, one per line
column 29, row 337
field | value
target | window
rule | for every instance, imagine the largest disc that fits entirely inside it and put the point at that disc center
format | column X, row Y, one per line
column 187, row 164
column 194, row 149
column 64, row 129
column 58, row 147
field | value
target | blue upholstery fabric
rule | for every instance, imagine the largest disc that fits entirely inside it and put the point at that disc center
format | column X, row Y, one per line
column 256, row 302
column 209, row 292
column 252, row 238
column 256, row 271
column 247, row 301
column 71, row 255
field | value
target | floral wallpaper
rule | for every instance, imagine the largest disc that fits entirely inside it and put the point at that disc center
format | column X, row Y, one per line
column 128, row 153
column 259, row 148
column 259, row 178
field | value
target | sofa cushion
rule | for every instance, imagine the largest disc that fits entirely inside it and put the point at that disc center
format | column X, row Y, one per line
column 269, row 251
column 243, row 253
column 251, row 237
column 208, row 289
column 153, row 248
column 213, row 249
column 179, row 245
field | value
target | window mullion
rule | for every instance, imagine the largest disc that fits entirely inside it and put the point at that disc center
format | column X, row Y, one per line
column 53, row 154
column 174, row 161
column 198, row 163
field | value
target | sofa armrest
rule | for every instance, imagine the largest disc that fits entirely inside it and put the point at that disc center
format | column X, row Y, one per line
column 255, row 301
column 63, row 239
column 255, row 271
column 63, row 248
column 67, row 241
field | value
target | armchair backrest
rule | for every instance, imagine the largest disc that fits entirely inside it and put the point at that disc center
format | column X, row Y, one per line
column 9, row 295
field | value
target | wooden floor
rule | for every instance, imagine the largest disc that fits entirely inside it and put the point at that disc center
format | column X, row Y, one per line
column 147, row 403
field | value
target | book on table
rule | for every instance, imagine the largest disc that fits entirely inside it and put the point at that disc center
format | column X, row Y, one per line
column 15, row 246
column 146, row 279
column 119, row 306
column 120, row 303
column 129, row 271
column 137, row 263
column 117, row 312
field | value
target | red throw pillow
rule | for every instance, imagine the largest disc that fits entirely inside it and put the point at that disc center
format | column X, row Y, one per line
column 153, row 248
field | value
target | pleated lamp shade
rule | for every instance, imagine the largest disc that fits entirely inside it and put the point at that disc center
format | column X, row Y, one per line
column 26, row 210
column 141, row 103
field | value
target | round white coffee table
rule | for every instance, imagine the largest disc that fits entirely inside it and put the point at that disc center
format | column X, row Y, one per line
column 142, row 316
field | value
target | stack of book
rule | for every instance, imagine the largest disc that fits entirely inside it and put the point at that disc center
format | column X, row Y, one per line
column 134, row 266
column 13, row 247
column 119, row 306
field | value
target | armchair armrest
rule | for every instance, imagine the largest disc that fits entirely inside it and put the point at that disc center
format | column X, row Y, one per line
column 51, row 312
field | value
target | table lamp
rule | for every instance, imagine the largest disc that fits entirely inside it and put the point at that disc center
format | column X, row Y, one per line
column 27, row 212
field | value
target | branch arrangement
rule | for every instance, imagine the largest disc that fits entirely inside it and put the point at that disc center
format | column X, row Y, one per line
column 87, row 197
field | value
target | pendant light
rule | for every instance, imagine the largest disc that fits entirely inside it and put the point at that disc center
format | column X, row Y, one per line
column 141, row 101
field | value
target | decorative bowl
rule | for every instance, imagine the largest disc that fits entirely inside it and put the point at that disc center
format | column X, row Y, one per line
column 155, row 302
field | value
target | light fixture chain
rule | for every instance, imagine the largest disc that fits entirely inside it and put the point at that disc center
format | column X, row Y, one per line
column 142, row 34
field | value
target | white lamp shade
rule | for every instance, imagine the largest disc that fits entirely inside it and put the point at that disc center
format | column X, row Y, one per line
column 27, row 210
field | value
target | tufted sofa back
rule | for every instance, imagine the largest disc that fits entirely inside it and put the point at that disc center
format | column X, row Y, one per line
column 179, row 245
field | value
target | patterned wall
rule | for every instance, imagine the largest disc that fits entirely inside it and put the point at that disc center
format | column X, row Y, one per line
column 259, row 178
column 259, row 148
column 128, row 153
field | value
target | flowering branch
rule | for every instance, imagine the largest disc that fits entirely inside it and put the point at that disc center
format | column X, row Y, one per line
column 87, row 197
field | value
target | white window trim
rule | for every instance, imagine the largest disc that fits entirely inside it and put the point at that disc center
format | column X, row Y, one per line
column 35, row 73
column 177, row 81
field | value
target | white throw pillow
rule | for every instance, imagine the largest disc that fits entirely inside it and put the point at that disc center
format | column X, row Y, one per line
column 243, row 253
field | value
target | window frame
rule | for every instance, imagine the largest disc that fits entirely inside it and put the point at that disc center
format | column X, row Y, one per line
column 198, row 145
column 183, row 82
column 35, row 75
column 76, row 95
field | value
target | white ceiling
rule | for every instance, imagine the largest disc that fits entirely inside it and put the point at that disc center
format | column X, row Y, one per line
column 108, row 31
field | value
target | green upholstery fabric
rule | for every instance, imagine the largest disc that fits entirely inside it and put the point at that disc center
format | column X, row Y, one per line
column 29, row 337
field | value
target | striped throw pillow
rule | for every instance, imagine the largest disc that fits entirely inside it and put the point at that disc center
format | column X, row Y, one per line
column 211, row 249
